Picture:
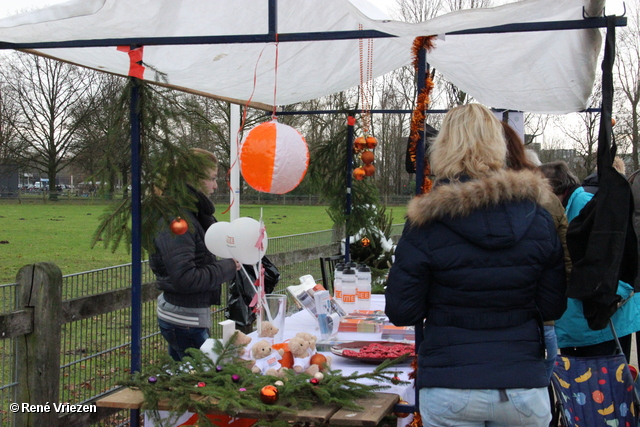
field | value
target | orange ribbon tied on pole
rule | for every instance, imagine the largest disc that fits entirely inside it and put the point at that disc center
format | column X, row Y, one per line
column 136, row 69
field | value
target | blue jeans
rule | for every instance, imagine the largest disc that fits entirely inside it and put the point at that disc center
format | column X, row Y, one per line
column 484, row 408
column 551, row 344
column 181, row 338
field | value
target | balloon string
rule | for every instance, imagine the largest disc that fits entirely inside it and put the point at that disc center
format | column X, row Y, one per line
column 275, row 83
column 263, row 298
column 242, row 123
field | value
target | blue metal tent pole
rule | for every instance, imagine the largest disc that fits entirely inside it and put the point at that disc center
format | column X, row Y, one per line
column 136, row 241
column 351, row 121
column 273, row 17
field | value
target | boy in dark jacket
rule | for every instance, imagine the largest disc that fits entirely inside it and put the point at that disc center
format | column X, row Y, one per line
column 189, row 275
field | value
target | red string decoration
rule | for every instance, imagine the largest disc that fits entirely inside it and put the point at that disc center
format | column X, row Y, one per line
column 366, row 82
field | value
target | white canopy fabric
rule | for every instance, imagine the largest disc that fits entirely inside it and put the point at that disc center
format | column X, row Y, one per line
column 542, row 72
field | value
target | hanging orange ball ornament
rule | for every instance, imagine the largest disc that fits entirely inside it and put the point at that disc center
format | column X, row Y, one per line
column 179, row 226
column 359, row 143
column 371, row 142
column 613, row 121
column 367, row 157
column 274, row 158
column 269, row 394
column 358, row 174
column 369, row 170
column 402, row 414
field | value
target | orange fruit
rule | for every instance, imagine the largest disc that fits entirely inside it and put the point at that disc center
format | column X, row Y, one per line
column 367, row 157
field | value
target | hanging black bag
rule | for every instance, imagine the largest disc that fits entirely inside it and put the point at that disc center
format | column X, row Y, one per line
column 241, row 292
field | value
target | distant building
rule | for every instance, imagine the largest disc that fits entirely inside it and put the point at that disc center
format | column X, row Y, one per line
column 8, row 180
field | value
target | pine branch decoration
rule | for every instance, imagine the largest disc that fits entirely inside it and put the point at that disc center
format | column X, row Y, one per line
column 177, row 382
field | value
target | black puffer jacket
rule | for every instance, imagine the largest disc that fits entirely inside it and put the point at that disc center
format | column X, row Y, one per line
column 185, row 270
column 482, row 262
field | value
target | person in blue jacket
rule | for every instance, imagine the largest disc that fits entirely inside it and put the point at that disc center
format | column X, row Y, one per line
column 480, row 260
column 574, row 336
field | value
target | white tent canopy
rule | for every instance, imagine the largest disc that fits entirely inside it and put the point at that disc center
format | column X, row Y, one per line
column 545, row 72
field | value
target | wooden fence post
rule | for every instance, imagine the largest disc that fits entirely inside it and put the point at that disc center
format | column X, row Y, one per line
column 38, row 353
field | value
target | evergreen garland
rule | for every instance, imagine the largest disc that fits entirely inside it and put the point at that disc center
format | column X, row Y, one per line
column 167, row 164
column 177, row 382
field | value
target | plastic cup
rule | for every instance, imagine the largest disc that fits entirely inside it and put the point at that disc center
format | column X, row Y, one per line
column 273, row 310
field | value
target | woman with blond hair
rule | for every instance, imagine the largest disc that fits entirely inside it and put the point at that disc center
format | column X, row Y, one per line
column 480, row 262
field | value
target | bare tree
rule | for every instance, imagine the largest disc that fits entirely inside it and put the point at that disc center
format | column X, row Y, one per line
column 627, row 67
column 535, row 125
column 580, row 131
column 8, row 113
column 418, row 10
column 51, row 99
column 104, row 136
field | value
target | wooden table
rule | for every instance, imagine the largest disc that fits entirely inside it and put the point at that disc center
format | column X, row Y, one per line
column 376, row 407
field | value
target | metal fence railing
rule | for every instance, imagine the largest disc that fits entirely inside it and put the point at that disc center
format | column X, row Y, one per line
column 96, row 353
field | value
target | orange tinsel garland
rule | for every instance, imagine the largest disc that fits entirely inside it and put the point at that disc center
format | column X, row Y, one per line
column 418, row 116
column 417, row 420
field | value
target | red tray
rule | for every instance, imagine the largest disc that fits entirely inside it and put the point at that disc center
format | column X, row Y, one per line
column 358, row 345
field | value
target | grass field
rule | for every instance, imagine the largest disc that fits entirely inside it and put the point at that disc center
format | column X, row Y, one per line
column 61, row 233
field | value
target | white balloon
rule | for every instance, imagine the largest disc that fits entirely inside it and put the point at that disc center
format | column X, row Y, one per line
column 215, row 239
column 242, row 238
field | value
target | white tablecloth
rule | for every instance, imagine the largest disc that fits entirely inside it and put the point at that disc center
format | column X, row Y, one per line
column 303, row 321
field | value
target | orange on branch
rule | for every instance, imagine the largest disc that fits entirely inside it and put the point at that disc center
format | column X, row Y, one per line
column 371, row 142
column 359, row 143
column 358, row 174
column 179, row 226
column 367, row 157
column 369, row 170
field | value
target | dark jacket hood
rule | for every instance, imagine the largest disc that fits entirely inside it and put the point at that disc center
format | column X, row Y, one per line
column 491, row 212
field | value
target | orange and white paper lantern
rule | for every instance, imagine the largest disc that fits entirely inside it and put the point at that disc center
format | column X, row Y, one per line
column 274, row 158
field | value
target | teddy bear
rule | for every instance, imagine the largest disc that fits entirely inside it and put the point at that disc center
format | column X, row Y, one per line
column 299, row 348
column 312, row 341
column 241, row 340
column 267, row 331
column 325, row 360
column 266, row 360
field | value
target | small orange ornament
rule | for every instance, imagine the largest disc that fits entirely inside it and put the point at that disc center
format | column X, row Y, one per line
column 179, row 226
column 367, row 157
column 369, row 170
column 371, row 142
column 359, row 143
column 402, row 414
column 613, row 121
column 287, row 360
column 358, row 174
column 269, row 394
column 365, row 241
column 318, row 359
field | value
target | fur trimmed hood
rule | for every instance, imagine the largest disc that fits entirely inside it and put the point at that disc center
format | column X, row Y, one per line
column 461, row 198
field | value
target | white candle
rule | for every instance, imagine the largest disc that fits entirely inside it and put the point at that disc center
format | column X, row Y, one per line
column 228, row 329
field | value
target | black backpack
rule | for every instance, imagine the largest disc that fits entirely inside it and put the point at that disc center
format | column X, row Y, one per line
column 601, row 240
